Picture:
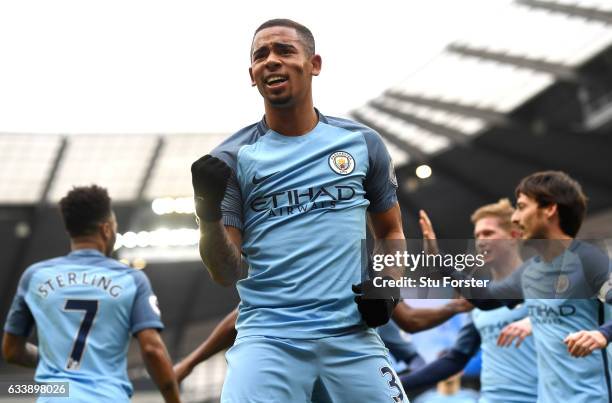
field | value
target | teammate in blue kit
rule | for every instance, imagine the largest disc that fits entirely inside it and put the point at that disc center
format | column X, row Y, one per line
column 412, row 320
column 84, row 306
column 508, row 376
column 448, row 390
column 291, row 193
column 564, row 287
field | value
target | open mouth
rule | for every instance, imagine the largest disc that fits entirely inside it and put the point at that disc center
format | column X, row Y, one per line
column 483, row 250
column 273, row 81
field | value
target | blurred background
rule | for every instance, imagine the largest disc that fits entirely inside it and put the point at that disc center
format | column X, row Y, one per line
column 469, row 97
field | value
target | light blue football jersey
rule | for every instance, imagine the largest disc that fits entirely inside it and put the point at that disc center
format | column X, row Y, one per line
column 580, row 380
column 508, row 374
column 562, row 376
column 462, row 396
column 85, row 306
column 557, row 294
column 301, row 203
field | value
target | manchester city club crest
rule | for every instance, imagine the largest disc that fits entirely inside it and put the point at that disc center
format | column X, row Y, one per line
column 563, row 284
column 341, row 162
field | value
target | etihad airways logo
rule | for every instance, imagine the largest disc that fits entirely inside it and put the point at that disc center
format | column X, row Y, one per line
column 491, row 331
column 543, row 313
column 293, row 201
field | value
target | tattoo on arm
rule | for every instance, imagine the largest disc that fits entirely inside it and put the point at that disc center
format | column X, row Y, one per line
column 220, row 252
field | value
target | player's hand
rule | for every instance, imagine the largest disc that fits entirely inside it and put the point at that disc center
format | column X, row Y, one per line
column 460, row 305
column 209, row 176
column 584, row 342
column 518, row 331
column 182, row 369
column 430, row 243
column 376, row 304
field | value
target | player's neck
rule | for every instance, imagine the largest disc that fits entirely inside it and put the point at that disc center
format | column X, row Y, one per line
column 292, row 121
column 87, row 243
column 553, row 246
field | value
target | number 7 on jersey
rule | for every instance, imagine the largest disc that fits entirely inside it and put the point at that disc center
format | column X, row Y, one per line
column 90, row 307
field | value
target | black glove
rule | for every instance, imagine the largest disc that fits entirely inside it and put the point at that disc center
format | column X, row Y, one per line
column 376, row 304
column 209, row 176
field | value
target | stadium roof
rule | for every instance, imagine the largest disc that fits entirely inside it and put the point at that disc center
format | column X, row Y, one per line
column 120, row 163
column 25, row 162
column 481, row 78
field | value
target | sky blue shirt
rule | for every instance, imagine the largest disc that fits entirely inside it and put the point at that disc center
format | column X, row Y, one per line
column 84, row 306
column 563, row 376
column 509, row 374
column 581, row 380
column 555, row 295
column 301, row 203
column 462, row 396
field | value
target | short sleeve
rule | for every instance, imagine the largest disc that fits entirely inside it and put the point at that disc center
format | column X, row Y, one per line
column 145, row 309
column 510, row 288
column 380, row 183
column 19, row 319
column 596, row 265
column 231, row 206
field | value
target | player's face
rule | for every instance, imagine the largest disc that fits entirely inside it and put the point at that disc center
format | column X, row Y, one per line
column 281, row 68
column 530, row 218
column 109, row 233
column 492, row 240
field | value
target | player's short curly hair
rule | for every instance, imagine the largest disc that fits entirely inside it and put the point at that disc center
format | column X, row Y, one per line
column 83, row 208
column 557, row 187
column 304, row 33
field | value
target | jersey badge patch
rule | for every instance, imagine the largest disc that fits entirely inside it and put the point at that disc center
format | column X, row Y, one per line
column 563, row 284
column 342, row 162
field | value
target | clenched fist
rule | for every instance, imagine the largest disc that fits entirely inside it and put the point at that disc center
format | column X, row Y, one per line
column 209, row 176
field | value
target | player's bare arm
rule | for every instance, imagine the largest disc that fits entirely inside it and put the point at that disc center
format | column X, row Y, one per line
column 413, row 320
column 518, row 331
column 159, row 366
column 387, row 225
column 220, row 251
column 376, row 305
column 219, row 248
column 16, row 350
column 221, row 338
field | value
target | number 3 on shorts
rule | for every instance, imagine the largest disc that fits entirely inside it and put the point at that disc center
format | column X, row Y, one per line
column 393, row 384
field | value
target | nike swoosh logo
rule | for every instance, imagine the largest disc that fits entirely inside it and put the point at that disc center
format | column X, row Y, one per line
column 257, row 181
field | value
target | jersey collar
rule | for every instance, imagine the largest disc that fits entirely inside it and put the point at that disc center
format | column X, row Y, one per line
column 263, row 128
column 574, row 244
column 86, row 252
